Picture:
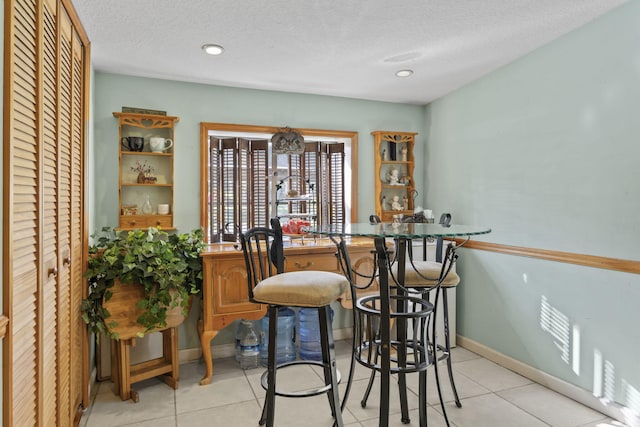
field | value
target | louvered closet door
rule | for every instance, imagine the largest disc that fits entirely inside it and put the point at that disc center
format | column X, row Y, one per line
column 44, row 380
column 21, row 263
column 50, row 322
column 64, row 214
column 77, row 341
column 64, row 207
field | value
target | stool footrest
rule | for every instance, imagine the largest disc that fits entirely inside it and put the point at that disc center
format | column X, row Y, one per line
column 305, row 393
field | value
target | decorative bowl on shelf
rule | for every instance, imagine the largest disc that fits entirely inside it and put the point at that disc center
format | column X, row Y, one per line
column 295, row 227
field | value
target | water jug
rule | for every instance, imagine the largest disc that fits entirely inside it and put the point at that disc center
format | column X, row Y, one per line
column 310, row 348
column 249, row 347
column 241, row 331
column 285, row 344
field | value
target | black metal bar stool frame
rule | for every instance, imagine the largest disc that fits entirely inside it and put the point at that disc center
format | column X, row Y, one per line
column 264, row 257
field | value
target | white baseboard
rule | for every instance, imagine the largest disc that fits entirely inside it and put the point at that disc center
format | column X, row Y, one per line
column 611, row 409
column 189, row 355
column 342, row 334
column 222, row 351
column 93, row 378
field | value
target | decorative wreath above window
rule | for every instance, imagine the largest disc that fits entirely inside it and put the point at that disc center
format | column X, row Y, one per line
column 287, row 141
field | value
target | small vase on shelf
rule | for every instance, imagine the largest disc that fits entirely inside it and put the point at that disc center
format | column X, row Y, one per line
column 147, row 209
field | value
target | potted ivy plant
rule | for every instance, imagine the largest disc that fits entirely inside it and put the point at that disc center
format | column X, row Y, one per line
column 141, row 280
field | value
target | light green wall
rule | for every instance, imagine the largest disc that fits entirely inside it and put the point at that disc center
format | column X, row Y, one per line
column 545, row 151
column 195, row 103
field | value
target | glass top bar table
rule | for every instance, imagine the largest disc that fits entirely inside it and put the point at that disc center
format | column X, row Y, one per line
column 401, row 234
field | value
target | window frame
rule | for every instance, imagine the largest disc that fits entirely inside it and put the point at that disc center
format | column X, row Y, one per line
column 206, row 128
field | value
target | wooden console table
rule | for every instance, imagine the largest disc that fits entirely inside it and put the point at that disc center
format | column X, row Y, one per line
column 224, row 289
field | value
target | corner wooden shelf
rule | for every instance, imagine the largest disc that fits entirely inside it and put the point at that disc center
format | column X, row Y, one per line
column 388, row 155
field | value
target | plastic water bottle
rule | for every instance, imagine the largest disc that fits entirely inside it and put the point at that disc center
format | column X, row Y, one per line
column 241, row 331
column 310, row 347
column 285, row 343
column 249, row 347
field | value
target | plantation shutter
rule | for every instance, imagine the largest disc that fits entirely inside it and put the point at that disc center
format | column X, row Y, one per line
column 259, row 178
column 213, row 191
column 228, row 187
column 243, row 183
column 238, row 187
column 333, row 176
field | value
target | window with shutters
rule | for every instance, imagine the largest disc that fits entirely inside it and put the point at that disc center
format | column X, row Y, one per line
column 244, row 184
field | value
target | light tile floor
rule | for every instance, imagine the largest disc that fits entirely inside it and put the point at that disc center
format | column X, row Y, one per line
column 491, row 396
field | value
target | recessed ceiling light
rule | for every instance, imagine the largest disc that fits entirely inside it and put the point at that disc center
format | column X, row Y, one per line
column 404, row 73
column 213, row 49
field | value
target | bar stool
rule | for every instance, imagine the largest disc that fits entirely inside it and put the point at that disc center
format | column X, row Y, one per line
column 269, row 284
column 424, row 275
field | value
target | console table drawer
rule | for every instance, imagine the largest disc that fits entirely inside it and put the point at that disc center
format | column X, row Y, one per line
column 322, row 262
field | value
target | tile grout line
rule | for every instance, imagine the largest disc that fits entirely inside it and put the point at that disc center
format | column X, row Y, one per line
column 175, row 407
column 522, row 409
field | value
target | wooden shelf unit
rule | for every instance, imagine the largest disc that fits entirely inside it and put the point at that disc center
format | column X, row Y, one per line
column 132, row 194
column 388, row 155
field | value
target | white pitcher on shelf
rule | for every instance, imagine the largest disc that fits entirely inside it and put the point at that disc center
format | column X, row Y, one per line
column 159, row 145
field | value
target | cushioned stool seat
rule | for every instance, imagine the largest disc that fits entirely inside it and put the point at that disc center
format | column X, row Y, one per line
column 425, row 274
column 301, row 288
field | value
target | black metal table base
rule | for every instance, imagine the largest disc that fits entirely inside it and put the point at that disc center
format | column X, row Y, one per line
column 375, row 323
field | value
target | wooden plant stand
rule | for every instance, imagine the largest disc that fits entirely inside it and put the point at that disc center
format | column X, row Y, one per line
column 124, row 375
column 124, row 312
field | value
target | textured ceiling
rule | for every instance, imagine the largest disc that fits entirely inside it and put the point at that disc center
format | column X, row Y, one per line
column 345, row 48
